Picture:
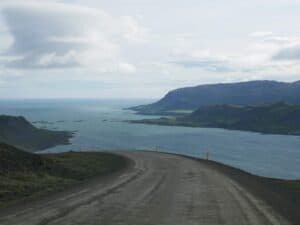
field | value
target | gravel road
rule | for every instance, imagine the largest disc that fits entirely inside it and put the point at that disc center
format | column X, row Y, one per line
column 157, row 188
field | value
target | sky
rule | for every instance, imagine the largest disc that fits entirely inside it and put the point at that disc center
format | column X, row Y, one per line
column 143, row 48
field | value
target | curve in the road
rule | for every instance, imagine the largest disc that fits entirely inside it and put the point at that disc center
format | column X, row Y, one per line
column 159, row 189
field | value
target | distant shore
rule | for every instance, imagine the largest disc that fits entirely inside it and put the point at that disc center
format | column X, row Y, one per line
column 172, row 121
column 19, row 132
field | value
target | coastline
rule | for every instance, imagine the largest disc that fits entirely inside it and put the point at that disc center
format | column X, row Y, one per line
column 172, row 123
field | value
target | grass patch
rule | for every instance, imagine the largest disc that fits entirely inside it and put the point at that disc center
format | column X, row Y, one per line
column 24, row 175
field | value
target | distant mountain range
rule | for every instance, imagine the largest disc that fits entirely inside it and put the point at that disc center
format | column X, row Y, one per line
column 17, row 131
column 278, row 118
column 244, row 93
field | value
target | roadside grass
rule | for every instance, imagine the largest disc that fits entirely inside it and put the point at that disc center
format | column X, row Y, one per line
column 292, row 184
column 25, row 176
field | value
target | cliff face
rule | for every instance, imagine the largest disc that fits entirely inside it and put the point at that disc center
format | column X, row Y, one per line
column 17, row 131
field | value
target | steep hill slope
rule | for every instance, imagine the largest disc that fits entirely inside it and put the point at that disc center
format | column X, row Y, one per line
column 244, row 93
column 26, row 175
column 17, row 131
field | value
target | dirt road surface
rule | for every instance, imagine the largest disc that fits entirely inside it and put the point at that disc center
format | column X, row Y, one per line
column 160, row 189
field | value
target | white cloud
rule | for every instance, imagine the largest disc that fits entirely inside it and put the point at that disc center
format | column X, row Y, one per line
column 280, row 47
column 162, row 47
column 133, row 31
column 265, row 54
column 53, row 60
column 55, row 35
column 260, row 34
column 203, row 59
column 289, row 53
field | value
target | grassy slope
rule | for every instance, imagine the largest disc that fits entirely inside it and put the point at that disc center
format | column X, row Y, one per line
column 279, row 118
column 25, row 175
column 19, row 132
column 243, row 93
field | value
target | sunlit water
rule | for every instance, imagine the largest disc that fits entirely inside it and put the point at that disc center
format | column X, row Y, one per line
column 103, row 128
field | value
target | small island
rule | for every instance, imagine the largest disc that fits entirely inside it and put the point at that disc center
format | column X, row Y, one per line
column 19, row 132
column 277, row 118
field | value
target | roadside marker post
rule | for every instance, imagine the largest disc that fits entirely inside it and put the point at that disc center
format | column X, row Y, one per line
column 207, row 156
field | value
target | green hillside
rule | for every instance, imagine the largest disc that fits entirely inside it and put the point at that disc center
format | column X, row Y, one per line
column 17, row 131
column 243, row 93
column 278, row 118
column 25, row 175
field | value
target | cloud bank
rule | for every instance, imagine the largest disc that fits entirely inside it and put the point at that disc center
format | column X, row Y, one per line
column 94, row 48
column 58, row 35
column 291, row 53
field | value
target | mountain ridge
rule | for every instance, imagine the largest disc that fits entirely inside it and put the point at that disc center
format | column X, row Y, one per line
column 241, row 93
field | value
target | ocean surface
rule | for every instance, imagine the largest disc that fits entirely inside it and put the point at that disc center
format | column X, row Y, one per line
column 100, row 125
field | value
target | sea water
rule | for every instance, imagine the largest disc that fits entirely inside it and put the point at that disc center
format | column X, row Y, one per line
column 101, row 125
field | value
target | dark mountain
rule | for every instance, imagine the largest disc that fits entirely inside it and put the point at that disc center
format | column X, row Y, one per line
column 278, row 118
column 244, row 93
column 17, row 131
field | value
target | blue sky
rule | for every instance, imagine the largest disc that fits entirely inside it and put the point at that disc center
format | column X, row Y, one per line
column 143, row 48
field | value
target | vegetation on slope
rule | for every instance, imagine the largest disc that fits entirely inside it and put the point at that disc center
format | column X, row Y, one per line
column 25, row 175
column 19, row 132
column 278, row 118
column 244, row 93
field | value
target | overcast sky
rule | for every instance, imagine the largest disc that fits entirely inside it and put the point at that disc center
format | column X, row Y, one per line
column 143, row 48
